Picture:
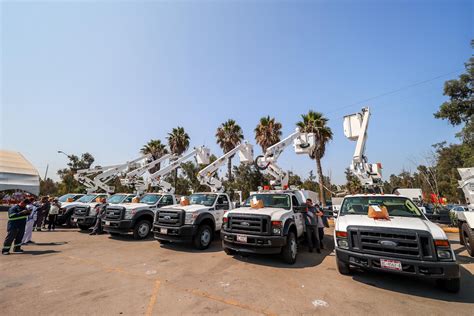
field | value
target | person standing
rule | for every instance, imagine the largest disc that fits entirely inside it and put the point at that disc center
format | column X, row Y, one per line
column 100, row 210
column 53, row 213
column 17, row 216
column 322, row 223
column 311, row 223
column 30, row 221
column 41, row 213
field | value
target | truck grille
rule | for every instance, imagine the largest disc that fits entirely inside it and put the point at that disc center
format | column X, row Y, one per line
column 81, row 211
column 114, row 213
column 249, row 224
column 169, row 217
column 398, row 243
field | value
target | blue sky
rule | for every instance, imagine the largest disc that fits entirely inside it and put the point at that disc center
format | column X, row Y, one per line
column 105, row 77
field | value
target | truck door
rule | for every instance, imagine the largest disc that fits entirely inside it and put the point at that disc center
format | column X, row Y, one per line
column 222, row 206
column 299, row 219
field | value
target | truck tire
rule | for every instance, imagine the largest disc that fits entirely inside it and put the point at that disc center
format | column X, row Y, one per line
column 203, row 238
column 468, row 239
column 69, row 222
column 83, row 227
column 141, row 230
column 290, row 250
column 450, row 285
column 342, row 267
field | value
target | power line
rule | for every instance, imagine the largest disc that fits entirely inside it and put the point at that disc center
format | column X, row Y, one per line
column 395, row 91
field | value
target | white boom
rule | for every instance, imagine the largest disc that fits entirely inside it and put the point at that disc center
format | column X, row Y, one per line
column 136, row 177
column 207, row 175
column 202, row 155
column 303, row 143
column 104, row 174
column 355, row 129
column 467, row 185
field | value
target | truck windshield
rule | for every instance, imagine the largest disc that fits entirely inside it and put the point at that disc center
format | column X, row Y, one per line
column 87, row 198
column 202, row 199
column 396, row 206
column 66, row 196
column 116, row 198
column 150, row 199
column 271, row 200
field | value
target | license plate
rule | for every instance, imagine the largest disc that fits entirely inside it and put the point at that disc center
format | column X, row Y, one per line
column 164, row 231
column 75, row 220
column 241, row 238
column 107, row 223
column 391, row 264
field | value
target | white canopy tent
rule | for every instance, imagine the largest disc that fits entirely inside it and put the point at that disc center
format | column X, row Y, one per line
column 17, row 173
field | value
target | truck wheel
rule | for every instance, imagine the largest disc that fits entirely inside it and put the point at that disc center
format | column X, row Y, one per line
column 203, row 238
column 290, row 250
column 229, row 251
column 83, row 227
column 450, row 285
column 69, row 222
column 141, row 229
column 468, row 239
column 343, row 267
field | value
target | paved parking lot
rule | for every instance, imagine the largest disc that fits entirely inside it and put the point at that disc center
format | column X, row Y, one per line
column 71, row 273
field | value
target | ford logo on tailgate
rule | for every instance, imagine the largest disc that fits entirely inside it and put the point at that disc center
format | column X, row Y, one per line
column 388, row 243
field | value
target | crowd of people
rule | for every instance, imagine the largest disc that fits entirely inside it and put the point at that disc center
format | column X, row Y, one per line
column 28, row 215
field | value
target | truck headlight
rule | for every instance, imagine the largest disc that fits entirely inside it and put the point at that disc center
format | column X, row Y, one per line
column 190, row 218
column 276, row 227
column 129, row 214
column 92, row 211
column 341, row 238
column 444, row 254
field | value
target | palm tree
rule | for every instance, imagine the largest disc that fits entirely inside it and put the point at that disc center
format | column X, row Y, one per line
column 157, row 149
column 178, row 142
column 315, row 122
column 267, row 132
column 229, row 135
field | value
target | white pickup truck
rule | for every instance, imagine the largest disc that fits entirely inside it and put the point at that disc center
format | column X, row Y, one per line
column 196, row 222
column 273, row 229
column 136, row 217
column 406, row 243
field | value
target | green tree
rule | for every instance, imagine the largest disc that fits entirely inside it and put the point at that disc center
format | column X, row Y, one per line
column 178, row 142
column 68, row 184
column 246, row 179
column 48, row 187
column 267, row 132
column 315, row 122
column 155, row 148
column 228, row 135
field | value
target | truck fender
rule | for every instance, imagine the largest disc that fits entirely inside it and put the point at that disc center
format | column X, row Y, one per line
column 141, row 213
column 201, row 217
column 288, row 223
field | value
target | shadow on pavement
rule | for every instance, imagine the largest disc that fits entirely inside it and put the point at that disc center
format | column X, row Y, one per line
column 49, row 243
column 463, row 259
column 188, row 247
column 39, row 252
column 417, row 286
column 126, row 237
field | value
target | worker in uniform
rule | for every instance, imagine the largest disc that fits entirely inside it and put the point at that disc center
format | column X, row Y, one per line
column 30, row 221
column 100, row 209
column 17, row 216
column 41, row 213
column 311, row 223
column 322, row 223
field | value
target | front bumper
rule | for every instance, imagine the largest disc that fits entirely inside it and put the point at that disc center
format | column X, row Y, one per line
column 255, row 243
column 183, row 233
column 121, row 226
column 84, row 220
column 425, row 269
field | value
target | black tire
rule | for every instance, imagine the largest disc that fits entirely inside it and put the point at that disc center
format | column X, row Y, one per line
column 203, row 238
column 468, row 239
column 342, row 267
column 83, row 227
column 69, row 222
column 450, row 285
column 164, row 242
column 229, row 251
column 142, row 229
column 114, row 234
column 290, row 250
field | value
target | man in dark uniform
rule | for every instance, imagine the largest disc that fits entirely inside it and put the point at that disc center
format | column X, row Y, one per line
column 17, row 216
column 101, row 209
column 311, row 222
column 41, row 212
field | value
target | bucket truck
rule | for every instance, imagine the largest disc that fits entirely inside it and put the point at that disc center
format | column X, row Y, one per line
column 278, row 225
column 138, row 217
column 355, row 129
column 466, row 218
column 303, row 143
column 199, row 217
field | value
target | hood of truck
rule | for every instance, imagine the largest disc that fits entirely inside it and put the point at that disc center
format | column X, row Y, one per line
column 188, row 208
column 412, row 223
column 131, row 206
column 274, row 213
column 67, row 205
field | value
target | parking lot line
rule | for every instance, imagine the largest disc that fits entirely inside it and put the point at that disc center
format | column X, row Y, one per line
column 154, row 295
